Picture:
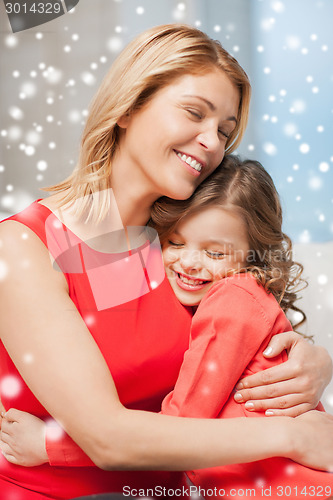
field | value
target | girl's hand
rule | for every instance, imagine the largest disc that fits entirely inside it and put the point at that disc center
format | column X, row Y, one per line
column 290, row 388
column 23, row 439
column 2, row 411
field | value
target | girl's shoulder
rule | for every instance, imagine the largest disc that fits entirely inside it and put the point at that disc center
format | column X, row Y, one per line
column 243, row 284
column 241, row 296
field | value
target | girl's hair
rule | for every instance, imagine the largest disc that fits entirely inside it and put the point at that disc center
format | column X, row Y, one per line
column 246, row 188
column 149, row 63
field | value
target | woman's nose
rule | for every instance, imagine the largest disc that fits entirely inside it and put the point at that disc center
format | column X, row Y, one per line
column 210, row 140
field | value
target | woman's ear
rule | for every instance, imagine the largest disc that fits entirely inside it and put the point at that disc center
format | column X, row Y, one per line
column 123, row 121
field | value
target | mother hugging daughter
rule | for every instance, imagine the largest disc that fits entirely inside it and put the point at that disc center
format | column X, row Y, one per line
column 171, row 105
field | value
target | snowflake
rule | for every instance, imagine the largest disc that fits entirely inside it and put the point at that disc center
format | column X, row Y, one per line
column 324, row 166
column 10, row 386
column 114, row 44
column 3, row 270
column 270, row 148
column 54, row 431
column 322, row 279
column 315, row 183
column 28, row 358
column 304, row 148
column 42, row 165
column 293, row 42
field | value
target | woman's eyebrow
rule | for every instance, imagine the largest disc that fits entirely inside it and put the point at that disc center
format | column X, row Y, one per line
column 210, row 105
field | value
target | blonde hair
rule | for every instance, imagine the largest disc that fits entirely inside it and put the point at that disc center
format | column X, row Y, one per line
column 247, row 188
column 150, row 62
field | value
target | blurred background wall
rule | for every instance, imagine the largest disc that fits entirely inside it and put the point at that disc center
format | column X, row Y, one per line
column 50, row 73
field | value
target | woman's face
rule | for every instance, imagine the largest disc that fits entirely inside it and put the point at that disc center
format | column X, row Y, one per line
column 202, row 249
column 178, row 138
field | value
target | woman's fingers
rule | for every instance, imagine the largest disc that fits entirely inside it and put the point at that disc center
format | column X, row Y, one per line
column 280, row 342
column 264, row 379
column 277, row 402
column 295, row 411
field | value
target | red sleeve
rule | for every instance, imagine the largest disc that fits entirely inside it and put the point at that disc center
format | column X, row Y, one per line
column 233, row 322
column 64, row 451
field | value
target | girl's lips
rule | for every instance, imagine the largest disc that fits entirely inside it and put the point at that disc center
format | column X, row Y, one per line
column 182, row 282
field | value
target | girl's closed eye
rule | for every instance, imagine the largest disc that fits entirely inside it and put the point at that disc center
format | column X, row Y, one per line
column 215, row 254
column 174, row 243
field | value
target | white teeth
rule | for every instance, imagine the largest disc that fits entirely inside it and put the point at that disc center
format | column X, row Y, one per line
column 190, row 161
column 188, row 281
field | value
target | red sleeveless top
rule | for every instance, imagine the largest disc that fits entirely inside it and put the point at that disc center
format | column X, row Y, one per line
column 143, row 338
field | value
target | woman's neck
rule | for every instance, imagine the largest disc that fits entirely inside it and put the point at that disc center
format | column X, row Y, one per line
column 132, row 192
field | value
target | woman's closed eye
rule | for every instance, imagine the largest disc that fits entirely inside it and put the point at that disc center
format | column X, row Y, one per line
column 224, row 133
column 195, row 113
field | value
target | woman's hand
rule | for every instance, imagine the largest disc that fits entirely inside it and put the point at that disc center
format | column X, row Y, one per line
column 23, row 439
column 293, row 387
column 313, row 446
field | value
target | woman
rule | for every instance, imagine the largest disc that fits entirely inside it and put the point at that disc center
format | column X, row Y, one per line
column 173, row 102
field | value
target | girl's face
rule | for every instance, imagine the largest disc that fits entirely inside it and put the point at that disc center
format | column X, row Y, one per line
column 168, row 147
column 202, row 249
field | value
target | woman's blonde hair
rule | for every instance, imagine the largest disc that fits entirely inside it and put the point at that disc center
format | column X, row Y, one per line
column 246, row 188
column 150, row 62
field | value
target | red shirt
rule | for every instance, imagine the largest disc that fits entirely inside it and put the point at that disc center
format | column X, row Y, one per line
column 230, row 330
column 143, row 341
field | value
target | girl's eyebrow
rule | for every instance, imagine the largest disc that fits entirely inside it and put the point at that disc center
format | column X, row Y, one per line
column 210, row 105
column 219, row 242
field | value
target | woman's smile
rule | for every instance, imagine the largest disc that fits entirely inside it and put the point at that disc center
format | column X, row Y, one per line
column 190, row 118
column 193, row 163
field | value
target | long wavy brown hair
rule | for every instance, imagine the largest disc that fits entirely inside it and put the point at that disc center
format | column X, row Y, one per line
column 245, row 187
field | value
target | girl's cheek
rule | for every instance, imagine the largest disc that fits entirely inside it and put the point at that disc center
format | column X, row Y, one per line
column 169, row 256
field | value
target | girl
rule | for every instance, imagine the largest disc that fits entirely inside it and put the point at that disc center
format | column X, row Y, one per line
column 171, row 105
column 224, row 249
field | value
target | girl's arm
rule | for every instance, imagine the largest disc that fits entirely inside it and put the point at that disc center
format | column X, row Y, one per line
column 39, row 318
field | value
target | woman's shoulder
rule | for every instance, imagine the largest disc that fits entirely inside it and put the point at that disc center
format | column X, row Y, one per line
column 18, row 227
column 23, row 243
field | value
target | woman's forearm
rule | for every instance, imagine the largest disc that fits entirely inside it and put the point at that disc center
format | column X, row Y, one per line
column 139, row 440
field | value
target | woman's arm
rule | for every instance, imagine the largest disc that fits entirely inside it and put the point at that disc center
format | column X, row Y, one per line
column 39, row 318
column 231, row 328
column 307, row 372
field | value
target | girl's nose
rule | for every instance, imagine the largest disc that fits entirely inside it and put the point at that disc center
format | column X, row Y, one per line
column 190, row 260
